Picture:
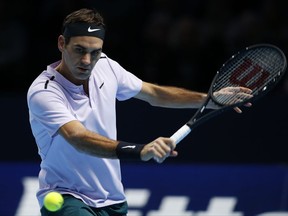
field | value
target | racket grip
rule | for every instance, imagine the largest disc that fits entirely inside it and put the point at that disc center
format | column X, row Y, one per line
column 181, row 133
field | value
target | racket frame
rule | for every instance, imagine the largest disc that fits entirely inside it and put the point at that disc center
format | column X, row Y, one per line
column 199, row 117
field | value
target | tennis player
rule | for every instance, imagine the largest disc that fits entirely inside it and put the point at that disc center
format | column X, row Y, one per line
column 73, row 119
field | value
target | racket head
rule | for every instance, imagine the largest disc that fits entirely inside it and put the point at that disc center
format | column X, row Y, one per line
column 259, row 67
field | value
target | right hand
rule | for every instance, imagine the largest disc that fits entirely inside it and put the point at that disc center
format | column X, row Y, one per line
column 159, row 149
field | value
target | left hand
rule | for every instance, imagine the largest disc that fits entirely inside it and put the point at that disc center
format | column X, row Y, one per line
column 234, row 95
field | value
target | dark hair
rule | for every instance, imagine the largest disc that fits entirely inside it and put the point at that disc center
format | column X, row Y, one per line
column 83, row 15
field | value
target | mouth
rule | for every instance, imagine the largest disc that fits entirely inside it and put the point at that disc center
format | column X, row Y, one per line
column 83, row 70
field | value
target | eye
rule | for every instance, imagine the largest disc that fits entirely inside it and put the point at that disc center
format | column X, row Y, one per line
column 95, row 53
column 79, row 50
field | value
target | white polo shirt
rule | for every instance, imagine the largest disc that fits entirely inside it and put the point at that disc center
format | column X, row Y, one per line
column 53, row 101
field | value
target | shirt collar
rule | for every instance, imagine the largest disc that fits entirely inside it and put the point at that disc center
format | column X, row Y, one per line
column 62, row 80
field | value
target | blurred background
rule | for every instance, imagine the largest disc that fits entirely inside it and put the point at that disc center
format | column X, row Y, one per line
column 169, row 42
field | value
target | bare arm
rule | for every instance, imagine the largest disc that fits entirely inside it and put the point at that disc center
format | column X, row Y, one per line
column 88, row 142
column 170, row 97
column 174, row 97
column 96, row 145
column 161, row 148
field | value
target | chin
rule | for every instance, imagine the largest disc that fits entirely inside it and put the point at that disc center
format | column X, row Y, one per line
column 83, row 76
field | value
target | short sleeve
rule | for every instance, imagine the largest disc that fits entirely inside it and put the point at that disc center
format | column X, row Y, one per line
column 128, row 84
column 48, row 109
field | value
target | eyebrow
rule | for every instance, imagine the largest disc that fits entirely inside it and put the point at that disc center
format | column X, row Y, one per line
column 85, row 48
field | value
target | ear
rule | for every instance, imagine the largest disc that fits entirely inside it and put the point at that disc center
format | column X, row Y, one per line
column 61, row 43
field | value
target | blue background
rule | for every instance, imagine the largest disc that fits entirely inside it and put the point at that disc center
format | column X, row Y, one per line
column 258, row 188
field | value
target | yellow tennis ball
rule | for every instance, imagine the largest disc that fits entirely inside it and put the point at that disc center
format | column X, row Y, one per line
column 53, row 201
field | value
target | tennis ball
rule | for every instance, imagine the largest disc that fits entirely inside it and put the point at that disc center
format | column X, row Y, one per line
column 53, row 201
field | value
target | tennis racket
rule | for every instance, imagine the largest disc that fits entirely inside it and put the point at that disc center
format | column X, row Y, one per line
column 259, row 68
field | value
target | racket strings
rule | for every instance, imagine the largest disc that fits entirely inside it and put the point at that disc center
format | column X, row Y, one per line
column 254, row 68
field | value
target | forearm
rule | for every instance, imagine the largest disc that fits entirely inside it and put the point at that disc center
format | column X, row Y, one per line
column 171, row 97
column 94, row 144
column 178, row 98
column 87, row 141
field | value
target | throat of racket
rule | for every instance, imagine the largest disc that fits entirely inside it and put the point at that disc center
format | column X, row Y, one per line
column 197, row 118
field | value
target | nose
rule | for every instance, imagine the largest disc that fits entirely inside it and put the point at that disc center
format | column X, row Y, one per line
column 86, row 58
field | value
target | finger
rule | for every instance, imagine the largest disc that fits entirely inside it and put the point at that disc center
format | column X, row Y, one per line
column 246, row 90
column 161, row 153
column 237, row 109
column 167, row 144
column 162, row 159
column 159, row 160
column 159, row 149
column 173, row 154
column 248, row 104
column 244, row 95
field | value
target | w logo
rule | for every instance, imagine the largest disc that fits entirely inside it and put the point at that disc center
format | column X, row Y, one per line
column 249, row 75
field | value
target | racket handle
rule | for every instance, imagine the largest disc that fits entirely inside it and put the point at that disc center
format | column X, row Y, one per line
column 181, row 133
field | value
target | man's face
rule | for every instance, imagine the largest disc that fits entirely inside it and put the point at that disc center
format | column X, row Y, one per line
column 80, row 56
